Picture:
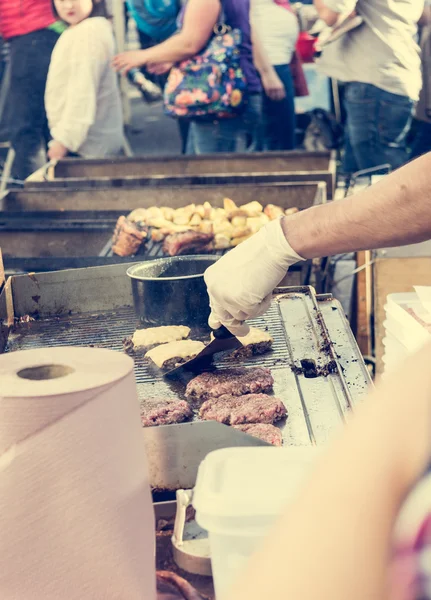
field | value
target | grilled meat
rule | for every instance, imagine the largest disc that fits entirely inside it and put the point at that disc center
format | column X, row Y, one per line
column 238, row 410
column 236, row 382
column 188, row 242
column 267, row 433
column 164, row 411
column 127, row 238
column 169, row 356
column 254, row 343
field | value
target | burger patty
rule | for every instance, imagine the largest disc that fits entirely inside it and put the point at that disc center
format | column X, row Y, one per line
column 239, row 410
column 164, row 411
column 233, row 382
column 267, row 433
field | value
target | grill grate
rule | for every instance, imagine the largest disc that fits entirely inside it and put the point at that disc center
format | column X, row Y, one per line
column 108, row 330
column 316, row 403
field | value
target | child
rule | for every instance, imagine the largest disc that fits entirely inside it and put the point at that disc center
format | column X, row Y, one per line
column 82, row 100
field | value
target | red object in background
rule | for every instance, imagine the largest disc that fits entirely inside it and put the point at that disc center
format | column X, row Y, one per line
column 284, row 4
column 306, row 47
column 19, row 17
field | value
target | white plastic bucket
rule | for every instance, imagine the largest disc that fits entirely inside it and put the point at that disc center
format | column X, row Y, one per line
column 239, row 494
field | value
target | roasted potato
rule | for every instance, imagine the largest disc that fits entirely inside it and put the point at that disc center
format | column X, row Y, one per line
column 168, row 212
column 223, row 226
column 158, row 235
column 291, row 211
column 229, row 205
column 205, row 226
column 241, row 232
column 195, row 220
column 155, row 212
column 273, row 212
column 138, row 215
column 207, row 210
column 182, row 216
column 199, row 210
column 167, row 225
column 237, row 241
column 239, row 221
column 252, row 209
column 221, row 242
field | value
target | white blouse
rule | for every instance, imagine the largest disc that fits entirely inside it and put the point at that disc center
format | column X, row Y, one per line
column 278, row 30
column 82, row 99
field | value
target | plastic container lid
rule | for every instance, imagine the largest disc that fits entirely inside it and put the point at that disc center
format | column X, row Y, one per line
column 248, row 484
column 402, row 324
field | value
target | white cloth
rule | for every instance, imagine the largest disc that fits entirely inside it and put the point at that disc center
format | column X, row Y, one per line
column 82, row 99
column 278, row 30
column 241, row 283
column 382, row 52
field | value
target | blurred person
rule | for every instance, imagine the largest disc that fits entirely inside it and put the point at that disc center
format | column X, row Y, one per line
column 156, row 20
column 338, row 538
column 82, row 99
column 278, row 29
column 422, row 140
column 379, row 63
column 32, row 31
column 199, row 20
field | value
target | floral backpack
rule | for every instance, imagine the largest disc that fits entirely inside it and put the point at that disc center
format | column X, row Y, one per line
column 211, row 85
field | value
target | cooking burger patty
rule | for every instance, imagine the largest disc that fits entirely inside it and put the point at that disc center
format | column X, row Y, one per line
column 234, row 382
column 239, row 410
column 267, row 433
column 164, row 411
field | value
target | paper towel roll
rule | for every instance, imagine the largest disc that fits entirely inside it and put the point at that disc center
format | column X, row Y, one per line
column 76, row 518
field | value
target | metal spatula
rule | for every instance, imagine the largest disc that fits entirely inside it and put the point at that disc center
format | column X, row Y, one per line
column 223, row 341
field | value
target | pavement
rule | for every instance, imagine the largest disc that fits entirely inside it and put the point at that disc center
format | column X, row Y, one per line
column 150, row 130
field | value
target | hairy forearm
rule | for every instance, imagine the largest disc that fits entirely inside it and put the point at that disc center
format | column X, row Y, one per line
column 394, row 212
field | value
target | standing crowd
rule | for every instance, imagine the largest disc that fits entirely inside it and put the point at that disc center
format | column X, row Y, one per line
column 230, row 69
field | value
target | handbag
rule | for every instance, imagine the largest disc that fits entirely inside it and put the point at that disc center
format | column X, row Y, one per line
column 211, row 85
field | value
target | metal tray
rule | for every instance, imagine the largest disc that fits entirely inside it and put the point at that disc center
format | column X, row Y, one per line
column 53, row 234
column 318, row 370
column 119, row 201
column 67, row 226
column 192, row 170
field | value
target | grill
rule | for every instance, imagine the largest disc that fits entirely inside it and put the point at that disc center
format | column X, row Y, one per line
column 191, row 170
column 317, row 367
column 56, row 229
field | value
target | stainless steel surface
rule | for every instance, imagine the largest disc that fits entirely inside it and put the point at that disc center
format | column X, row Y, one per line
column 191, row 547
column 121, row 200
column 194, row 170
column 59, row 234
column 174, row 452
column 317, row 367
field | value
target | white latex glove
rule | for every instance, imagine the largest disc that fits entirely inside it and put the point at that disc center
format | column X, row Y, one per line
column 241, row 283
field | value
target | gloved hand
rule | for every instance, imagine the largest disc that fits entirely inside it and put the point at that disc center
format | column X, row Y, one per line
column 241, row 283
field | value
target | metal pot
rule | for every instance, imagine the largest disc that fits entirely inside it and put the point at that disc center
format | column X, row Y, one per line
column 172, row 291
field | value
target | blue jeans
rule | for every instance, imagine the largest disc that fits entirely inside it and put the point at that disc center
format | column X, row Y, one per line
column 279, row 116
column 422, row 141
column 377, row 126
column 240, row 134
